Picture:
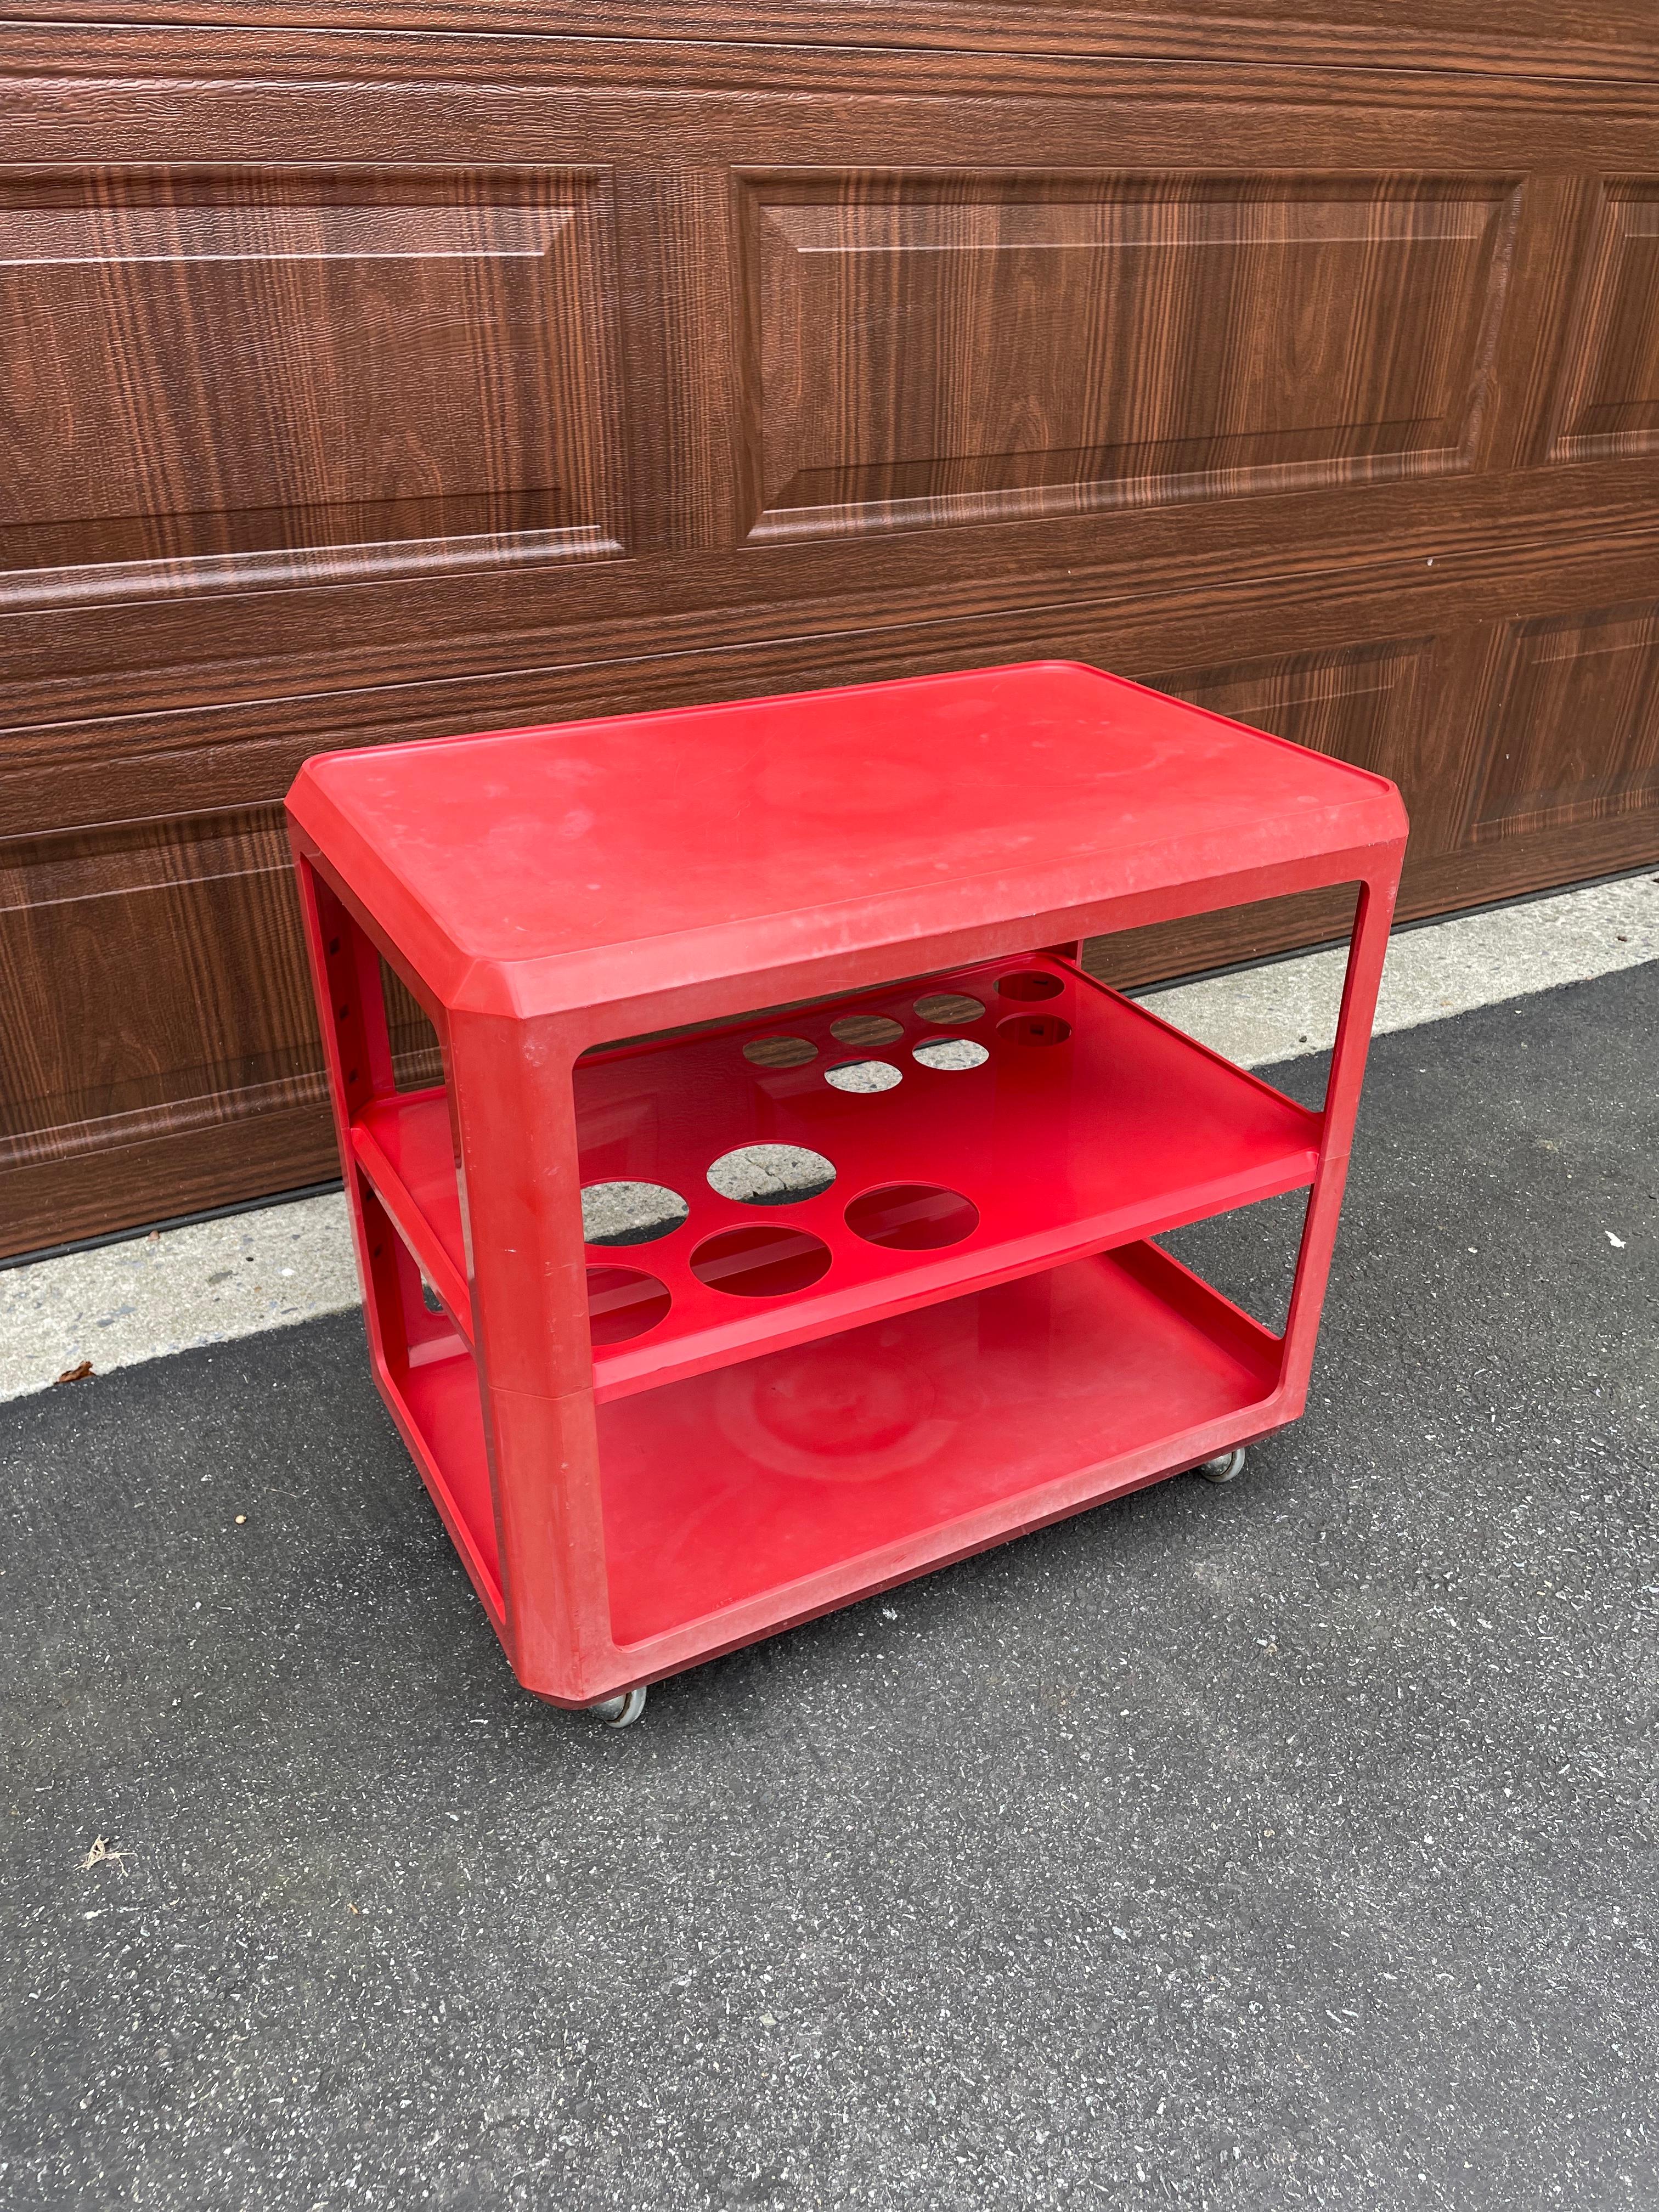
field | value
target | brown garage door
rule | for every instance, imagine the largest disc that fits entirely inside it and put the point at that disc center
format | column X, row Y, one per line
column 363, row 383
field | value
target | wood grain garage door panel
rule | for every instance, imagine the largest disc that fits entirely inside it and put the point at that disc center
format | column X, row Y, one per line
column 947, row 350
column 1610, row 403
column 105, row 1043
column 1574, row 731
column 229, row 371
column 1360, row 703
column 364, row 387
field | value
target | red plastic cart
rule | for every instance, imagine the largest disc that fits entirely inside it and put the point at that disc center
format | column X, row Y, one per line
column 955, row 1327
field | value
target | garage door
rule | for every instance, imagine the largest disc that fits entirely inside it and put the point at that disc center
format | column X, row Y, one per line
column 365, row 383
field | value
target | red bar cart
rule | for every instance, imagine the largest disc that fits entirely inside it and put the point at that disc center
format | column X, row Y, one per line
column 654, row 1438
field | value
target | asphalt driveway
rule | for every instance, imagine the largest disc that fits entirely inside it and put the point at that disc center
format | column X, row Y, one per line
column 1280, row 1845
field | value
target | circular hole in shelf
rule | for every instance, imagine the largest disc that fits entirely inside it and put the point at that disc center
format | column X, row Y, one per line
column 759, row 1261
column 866, row 1031
column 780, row 1051
column 1030, row 983
column 950, row 1052
column 912, row 1217
column 624, row 1301
column 629, row 1212
column 863, row 1075
column 1034, row 1028
column 771, row 1175
column 950, row 1009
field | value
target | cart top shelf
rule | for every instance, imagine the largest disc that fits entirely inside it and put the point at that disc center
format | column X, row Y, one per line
column 644, row 853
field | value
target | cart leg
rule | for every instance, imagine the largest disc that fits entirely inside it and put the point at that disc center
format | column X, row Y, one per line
column 1227, row 1469
column 620, row 1712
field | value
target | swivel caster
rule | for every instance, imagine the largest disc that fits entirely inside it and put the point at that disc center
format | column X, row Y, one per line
column 1227, row 1469
column 620, row 1712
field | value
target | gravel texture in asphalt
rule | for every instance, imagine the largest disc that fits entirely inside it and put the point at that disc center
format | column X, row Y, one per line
column 1284, row 1844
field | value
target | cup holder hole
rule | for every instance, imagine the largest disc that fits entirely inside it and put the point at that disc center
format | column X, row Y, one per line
column 863, row 1075
column 771, row 1175
column 1034, row 1028
column 950, row 1052
column 759, row 1261
column 1030, row 983
column 912, row 1217
column 780, row 1051
column 624, row 1301
column 630, row 1213
column 950, row 1009
column 866, row 1031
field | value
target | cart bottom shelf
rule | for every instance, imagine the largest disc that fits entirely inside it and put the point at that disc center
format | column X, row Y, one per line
column 866, row 1456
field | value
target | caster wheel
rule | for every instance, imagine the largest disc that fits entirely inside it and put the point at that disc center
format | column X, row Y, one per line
column 1227, row 1469
column 620, row 1712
